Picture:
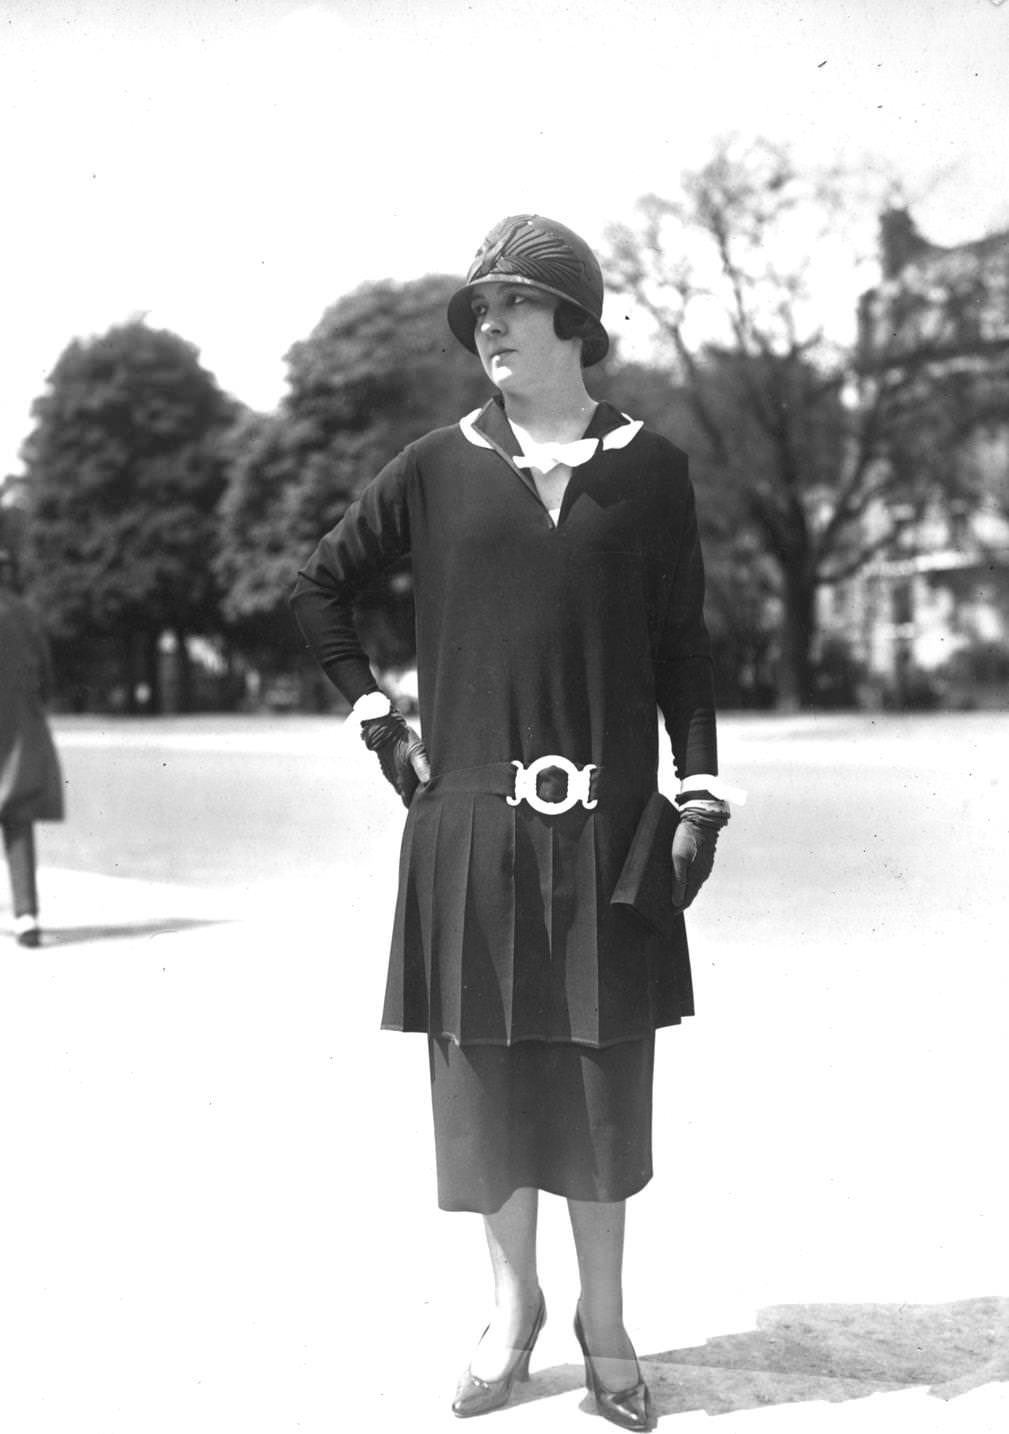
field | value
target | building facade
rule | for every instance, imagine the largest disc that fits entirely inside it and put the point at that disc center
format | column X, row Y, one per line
column 928, row 618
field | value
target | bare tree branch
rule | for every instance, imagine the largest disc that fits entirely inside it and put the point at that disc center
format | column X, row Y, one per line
column 809, row 440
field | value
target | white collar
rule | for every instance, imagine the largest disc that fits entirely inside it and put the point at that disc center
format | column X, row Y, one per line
column 584, row 448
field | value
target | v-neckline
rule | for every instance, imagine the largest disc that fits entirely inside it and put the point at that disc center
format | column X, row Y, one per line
column 508, row 447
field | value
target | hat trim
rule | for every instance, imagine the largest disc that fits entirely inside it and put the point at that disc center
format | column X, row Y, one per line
column 529, row 284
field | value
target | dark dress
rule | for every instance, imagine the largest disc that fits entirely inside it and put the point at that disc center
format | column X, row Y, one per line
column 31, row 785
column 532, row 639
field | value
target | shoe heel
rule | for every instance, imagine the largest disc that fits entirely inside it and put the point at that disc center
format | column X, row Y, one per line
column 630, row 1408
column 590, row 1383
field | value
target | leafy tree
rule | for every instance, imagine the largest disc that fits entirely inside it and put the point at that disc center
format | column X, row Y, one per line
column 123, row 478
column 12, row 521
column 814, row 468
column 379, row 369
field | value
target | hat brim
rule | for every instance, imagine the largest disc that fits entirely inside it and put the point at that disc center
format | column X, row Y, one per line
column 595, row 346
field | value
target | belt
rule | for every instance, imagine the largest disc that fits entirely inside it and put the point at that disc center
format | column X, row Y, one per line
column 541, row 784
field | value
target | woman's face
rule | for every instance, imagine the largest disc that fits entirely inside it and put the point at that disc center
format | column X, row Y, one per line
column 515, row 338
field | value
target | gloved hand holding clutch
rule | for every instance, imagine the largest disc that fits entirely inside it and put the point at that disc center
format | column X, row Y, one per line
column 694, row 844
column 401, row 752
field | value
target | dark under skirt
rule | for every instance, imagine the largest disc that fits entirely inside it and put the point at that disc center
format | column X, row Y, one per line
column 574, row 1120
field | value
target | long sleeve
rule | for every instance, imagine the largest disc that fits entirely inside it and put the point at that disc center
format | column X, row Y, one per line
column 373, row 533
column 684, row 680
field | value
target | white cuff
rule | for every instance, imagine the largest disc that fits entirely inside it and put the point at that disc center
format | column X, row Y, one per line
column 372, row 704
column 705, row 782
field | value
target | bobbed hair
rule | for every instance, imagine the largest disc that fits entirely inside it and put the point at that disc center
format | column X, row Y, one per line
column 571, row 322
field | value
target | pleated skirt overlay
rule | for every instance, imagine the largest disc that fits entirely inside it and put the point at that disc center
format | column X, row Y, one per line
column 504, row 930
column 568, row 1119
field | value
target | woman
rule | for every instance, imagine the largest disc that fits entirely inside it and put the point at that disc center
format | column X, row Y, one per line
column 31, row 787
column 559, row 588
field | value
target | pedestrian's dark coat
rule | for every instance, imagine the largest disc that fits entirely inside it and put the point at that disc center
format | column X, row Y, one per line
column 31, row 787
column 533, row 638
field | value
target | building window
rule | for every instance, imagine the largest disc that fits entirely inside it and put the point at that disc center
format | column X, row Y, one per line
column 902, row 598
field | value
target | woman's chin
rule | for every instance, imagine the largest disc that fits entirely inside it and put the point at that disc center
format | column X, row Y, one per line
column 501, row 369
column 505, row 378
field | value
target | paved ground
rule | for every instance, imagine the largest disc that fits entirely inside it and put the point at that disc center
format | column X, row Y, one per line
column 218, row 1185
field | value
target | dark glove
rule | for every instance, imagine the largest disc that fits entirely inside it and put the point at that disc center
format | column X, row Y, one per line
column 694, row 843
column 401, row 753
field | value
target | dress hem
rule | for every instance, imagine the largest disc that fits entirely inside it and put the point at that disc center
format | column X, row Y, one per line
column 454, row 1208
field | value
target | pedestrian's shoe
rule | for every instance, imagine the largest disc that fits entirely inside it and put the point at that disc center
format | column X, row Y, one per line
column 480, row 1396
column 26, row 931
column 629, row 1408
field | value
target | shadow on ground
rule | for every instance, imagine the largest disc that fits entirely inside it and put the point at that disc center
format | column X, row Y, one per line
column 830, row 1353
column 109, row 931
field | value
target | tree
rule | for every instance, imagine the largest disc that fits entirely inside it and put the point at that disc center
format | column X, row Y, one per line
column 12, row 521
column 123, row 477
column 368, row 379
column 740, row 587
column 802, row 456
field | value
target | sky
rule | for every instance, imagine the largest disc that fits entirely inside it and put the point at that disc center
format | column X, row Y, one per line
column 229, row 168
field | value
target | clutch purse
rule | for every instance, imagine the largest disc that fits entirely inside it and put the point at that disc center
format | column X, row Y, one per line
column 645, row 884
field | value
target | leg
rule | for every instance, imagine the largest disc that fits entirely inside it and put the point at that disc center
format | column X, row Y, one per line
column 19, row 844
column 598, row 1228
column 511, row 1240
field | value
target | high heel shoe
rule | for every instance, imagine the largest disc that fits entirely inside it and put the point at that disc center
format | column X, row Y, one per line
column 480, row 1396
column 630, row 1408
column 26, row 931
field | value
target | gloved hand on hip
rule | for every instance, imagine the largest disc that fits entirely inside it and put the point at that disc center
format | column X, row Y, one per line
column 694, row 843
column 401, row 752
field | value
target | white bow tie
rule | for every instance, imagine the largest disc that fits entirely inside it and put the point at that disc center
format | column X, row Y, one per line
column 546, row 456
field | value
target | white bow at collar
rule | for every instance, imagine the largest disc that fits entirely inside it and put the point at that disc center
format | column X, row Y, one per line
column 547, row 456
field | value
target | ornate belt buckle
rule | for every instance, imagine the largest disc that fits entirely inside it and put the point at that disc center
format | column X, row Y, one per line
column 579, row 785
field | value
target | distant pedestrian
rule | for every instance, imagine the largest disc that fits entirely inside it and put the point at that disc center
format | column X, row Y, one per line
column 31, row 785
column 538, row 938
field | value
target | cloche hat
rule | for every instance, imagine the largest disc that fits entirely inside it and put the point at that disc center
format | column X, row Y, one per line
column 529, row 249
